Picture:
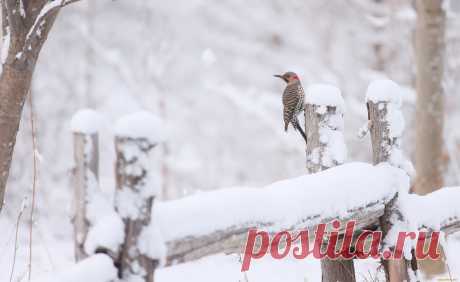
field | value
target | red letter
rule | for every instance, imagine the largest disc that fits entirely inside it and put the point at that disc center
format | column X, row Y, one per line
column 319, row 237
column 432, row 249
column 375, row 243
column 274, row 249
column 332, row 241
column 249, row 251
column 399, row 248
column 303, row 243
column 345, row 251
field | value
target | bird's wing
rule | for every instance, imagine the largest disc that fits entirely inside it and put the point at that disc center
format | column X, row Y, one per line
column 290, row 101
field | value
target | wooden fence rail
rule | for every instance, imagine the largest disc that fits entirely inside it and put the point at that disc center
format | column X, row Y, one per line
column 218, row 221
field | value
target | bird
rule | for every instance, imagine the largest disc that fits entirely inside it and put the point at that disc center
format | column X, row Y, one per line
column 293, row 101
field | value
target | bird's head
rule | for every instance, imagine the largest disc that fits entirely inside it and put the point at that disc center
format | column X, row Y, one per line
column 288, row 76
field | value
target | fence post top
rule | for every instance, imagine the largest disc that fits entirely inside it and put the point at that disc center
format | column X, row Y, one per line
column 384, row 90
column 140, row 125
column 325, row 95
column 86, row 121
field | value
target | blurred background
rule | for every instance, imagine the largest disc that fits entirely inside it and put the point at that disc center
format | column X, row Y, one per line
column 206, row 68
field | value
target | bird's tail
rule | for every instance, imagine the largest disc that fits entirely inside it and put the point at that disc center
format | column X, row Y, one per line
column 299, row 128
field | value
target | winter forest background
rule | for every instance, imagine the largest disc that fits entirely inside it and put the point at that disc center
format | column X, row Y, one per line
column 205, row 67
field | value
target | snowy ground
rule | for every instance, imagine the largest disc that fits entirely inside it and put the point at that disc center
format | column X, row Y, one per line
column 226, row 268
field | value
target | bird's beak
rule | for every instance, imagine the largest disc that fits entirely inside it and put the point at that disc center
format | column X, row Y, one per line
column 277, row 75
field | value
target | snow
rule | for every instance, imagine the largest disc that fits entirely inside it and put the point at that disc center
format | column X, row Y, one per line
column 432, row 210
column 151, row 243
column 107, row 233
column 226, row 268
column 325, row 95
column 106, row 227
column 334, row 150
column 141, row 124
column 21, row 9
column 39, row 19
column 96, row 268
column 86, row 121
column 129, row 203
column 6, row 40
column 384, row 90
column 208, row 57
column 329, row 193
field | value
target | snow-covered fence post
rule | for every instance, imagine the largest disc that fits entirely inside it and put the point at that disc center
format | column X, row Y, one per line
column 323, row 127
column 386, row 124
column 136, row 135
column 85, row 173
column 326, row 148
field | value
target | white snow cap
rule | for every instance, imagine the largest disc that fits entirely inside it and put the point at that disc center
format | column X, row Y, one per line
column 384, row 90
column 86, row 121
column 325, row 95
column 141, row 124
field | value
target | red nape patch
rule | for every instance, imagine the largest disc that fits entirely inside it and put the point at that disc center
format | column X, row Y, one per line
column 295, row 77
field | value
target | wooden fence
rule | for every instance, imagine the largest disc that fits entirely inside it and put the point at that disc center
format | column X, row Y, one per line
column 135, row 213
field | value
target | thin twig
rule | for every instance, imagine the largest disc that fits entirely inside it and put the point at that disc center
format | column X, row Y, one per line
column 448, row 272
column 18, row 220
column 34, row 183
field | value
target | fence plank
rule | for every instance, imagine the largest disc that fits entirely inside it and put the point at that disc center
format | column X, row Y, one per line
column 86, row 156
column 233, row 238
column 85, row 173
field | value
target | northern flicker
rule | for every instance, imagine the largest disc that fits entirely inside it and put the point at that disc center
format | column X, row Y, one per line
column 293, row 101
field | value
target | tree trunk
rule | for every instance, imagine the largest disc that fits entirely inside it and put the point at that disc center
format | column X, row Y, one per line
column 14, row 87
column 429, row 49
column 24, row 37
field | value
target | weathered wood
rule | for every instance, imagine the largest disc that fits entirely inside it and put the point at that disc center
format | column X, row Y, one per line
column 85, row 173
column 319, row 120
column 383, row 144
column 134, row 200
column 232, row 239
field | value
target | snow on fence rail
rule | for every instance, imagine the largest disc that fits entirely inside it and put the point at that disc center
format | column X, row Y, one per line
column 137, row 231
column 195, row 226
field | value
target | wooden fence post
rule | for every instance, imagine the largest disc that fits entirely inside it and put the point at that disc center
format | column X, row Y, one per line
column 136, row 135
column 85, row 173
column 326, row 148
column 386, row 124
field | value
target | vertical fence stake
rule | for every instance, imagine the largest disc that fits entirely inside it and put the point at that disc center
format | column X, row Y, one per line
column 85, row 173
column 135, row 193
column 326, row 148
column 383, row 99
